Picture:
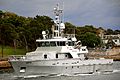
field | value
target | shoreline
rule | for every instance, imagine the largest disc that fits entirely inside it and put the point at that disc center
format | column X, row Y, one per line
column 114, row 57
column 5, row 66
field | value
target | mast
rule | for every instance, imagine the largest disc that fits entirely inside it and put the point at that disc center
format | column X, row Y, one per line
column 58, row 20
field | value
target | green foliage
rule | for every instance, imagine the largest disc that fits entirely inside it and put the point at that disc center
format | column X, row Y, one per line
column 109, row 31
column 11, row 51
column 86, row 28
column 7, row 33
column 112, row 32
column 90, row 39
column 117, row 32
column 87, row 34
column 22, row 32
column 69, row 28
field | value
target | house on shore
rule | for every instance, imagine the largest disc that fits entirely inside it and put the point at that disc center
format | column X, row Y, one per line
column 111, row 42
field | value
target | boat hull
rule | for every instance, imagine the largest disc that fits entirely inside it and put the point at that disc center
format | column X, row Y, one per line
column 71, row 66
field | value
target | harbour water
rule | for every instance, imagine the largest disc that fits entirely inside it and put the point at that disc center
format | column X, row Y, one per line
column 115, row 75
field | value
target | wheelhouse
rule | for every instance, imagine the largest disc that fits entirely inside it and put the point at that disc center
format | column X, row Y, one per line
column 54, row 42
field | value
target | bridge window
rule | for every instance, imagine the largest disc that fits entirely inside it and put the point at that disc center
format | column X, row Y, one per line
column 58, row 44
column 43, row 44
column 52, row 43
column 47, row 44
column 70, row 43
column 40, row 44
column 61, row 43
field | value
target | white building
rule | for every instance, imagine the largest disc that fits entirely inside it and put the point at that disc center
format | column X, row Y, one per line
column 114, row 38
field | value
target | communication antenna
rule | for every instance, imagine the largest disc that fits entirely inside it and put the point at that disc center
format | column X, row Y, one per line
column 63, row 13
column 58, row 12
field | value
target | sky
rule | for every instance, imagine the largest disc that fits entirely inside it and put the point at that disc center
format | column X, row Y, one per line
column 99, row 13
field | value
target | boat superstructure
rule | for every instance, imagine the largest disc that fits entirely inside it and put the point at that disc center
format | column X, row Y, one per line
column 58, row 54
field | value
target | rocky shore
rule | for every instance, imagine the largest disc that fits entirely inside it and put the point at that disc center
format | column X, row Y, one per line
column 5, row 66
column 113, row 53
column 114, row 57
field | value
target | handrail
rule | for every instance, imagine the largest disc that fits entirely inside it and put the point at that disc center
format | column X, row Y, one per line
column 17, row 57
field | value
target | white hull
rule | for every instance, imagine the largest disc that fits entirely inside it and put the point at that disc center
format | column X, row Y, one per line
column 69, row 66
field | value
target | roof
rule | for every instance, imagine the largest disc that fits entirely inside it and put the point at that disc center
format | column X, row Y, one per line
column 54, row 39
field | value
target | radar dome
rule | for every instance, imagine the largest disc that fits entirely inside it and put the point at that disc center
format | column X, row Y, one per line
column 43, row 32
column 62, row 26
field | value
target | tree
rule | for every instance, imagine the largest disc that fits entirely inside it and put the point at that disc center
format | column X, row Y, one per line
column 117, row 32
column 90, row 39
column 23, row 32
column 7, row 35
column 69, row 28
column 1, row 14
column 36, row 26
column 109, row 32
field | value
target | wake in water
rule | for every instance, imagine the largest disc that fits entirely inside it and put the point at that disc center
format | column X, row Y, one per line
column 114, row 71
column 76, row 74
column 11, row 76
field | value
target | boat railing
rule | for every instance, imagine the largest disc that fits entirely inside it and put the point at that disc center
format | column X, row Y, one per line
column 17, row 57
